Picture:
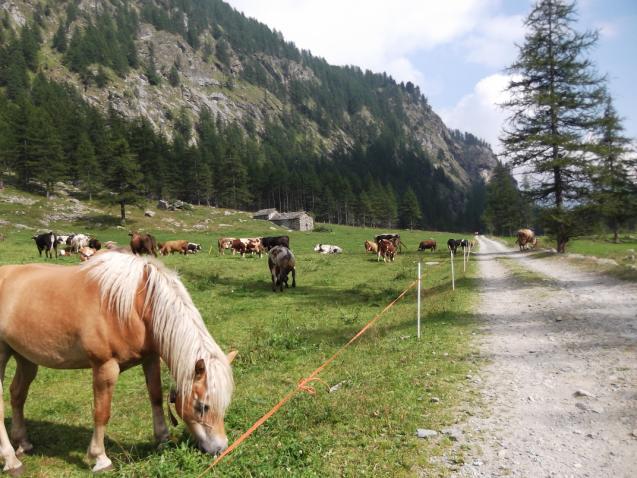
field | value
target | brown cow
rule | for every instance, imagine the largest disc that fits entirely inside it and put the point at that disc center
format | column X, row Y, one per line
column 143, row 244
column 86, row 253
column 281, row 262
column 386, row 249
column 170, row 247
column 225, row 243
column 427, row 244
column 526, row 238
column 371, row 247
column 239, row 246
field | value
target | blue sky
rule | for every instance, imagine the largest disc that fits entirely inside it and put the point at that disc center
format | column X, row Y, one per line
column 456, row 51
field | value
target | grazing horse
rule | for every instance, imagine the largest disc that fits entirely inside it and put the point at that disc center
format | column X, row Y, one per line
column 281, row 262
column 125, row 310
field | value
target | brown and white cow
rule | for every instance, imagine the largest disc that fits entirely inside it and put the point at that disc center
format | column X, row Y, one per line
column 526, row 238
column 254, row 246
column 386, row 249
column 371, row 246
column 225, row 243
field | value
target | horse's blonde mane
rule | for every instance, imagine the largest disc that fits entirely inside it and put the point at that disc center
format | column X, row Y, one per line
column 177, row 327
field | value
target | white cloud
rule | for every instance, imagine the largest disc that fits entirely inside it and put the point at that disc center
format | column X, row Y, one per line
column 478, row 112
column 368, row 33
column 493, row 43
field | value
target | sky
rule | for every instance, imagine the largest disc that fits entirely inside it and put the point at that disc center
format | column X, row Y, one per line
column 456, row 51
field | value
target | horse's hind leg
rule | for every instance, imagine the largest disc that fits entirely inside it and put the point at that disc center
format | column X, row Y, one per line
column 11, row 463
column 24, row 375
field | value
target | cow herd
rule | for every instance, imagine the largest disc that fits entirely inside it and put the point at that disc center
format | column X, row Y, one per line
column 281, row 260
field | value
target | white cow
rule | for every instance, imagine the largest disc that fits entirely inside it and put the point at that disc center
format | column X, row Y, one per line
column 327, row 249
column 78, row 241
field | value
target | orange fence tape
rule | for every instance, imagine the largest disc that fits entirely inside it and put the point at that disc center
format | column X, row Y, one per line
column 303, row 383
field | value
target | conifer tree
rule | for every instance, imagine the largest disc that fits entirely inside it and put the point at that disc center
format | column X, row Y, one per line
column 554, row 105
column 615, row 191
column 89, row 173
column 410, row 212
column 124, row 177
column 504, row 205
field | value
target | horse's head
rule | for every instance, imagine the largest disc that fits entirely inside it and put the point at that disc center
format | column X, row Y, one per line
column 198, row 411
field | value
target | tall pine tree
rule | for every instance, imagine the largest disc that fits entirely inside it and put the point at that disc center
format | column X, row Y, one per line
column 554, row 106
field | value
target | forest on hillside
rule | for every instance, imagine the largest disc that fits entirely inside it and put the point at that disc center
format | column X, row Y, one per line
column 48, row 133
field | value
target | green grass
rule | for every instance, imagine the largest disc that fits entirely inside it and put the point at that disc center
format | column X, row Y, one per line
column 366, row 428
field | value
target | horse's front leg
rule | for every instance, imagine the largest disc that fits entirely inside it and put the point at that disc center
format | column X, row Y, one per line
column 104, row 379
column 24, row 375
column 152, row 372
column 11, row 463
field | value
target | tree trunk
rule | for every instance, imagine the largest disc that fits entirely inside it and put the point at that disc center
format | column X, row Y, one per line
column 122, row 212
column 616, row 236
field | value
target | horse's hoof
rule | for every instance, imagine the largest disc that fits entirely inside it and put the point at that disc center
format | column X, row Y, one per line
column 25, row 449
column 16, row 471
column 103, row 466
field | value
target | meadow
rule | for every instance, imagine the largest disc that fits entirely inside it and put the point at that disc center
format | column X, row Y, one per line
column 390, row 383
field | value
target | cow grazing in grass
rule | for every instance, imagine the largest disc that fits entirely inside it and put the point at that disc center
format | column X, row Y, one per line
column 46, row 242
column 224, row 243
column 238, row 246
column 254, row 246
column 143, row 244
column 170, row 247
column 281, row 262
column 327, row 249
column 427, row 244
column 526, row 238
column 371, row 247
column 454, row 244
column 387, row 250
column 272, row 241
column 193, row 248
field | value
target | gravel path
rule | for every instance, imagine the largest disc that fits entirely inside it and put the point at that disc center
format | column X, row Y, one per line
column 561, row 386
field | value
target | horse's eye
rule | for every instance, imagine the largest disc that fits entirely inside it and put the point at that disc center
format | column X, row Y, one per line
column 201, row 408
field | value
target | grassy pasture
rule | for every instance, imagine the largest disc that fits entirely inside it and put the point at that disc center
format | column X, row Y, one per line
column 367, row 427
column 598, row 246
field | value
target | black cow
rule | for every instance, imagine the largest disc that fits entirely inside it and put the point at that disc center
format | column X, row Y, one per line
column 193, row 248
column 393, row 238
column 93, row 243
column 46, row 242
column 272, row 241
column 454, row 244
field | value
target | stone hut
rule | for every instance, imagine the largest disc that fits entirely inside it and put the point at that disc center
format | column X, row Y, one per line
column 265, row 214
column 298, row 221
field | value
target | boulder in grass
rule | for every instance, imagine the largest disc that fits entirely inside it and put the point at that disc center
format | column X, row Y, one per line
column 149, row 213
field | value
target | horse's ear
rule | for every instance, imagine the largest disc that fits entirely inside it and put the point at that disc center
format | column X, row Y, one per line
column 200, row 369
column 231, row 355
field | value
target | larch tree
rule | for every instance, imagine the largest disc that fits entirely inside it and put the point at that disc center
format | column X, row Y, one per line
column 615, row 187
column 555, row 104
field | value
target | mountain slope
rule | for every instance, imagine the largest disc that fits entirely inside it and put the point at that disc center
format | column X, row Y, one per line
column 174, row 62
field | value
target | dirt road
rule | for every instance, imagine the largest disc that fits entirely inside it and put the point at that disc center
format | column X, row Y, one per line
column 560, row 390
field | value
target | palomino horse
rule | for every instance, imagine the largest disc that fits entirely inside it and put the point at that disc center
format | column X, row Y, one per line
column 110, row 313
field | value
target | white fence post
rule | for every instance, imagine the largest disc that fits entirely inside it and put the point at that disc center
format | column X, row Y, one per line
column 453, row 276
column 418, row 313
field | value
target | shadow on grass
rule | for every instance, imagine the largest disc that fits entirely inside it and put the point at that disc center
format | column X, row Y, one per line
column 70, row 442
column 101, row 221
